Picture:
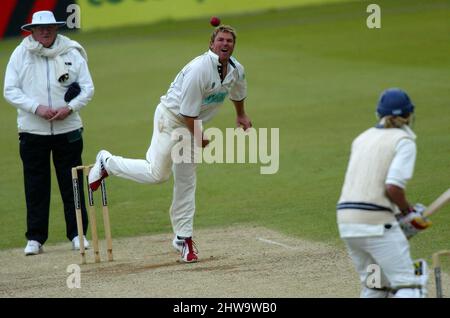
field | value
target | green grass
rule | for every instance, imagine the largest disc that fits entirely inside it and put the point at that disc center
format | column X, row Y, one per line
column 107, row 14
column 314, row 72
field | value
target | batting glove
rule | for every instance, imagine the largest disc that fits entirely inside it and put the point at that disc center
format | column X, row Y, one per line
column 414, row 221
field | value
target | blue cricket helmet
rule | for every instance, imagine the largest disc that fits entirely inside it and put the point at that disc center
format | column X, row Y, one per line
column 395, row 102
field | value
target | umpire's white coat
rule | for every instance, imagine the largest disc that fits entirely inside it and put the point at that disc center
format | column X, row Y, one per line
column 30, row 81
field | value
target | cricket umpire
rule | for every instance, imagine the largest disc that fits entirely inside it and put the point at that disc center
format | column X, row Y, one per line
column 47, row 79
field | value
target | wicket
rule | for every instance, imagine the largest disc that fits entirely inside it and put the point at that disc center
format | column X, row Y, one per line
column 437, row 271
column 91, row 215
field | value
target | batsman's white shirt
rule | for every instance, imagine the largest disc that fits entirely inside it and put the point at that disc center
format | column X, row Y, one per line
column 400, row 171
column 198, row 91
column 386, row 246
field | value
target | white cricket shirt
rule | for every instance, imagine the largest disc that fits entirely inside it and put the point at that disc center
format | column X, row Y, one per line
column 198, row 91
column 400, row 171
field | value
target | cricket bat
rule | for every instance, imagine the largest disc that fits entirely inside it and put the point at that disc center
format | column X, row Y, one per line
column 442, row 200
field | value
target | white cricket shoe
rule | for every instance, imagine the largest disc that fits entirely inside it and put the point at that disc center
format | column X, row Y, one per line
column 98, row 171
column 76, row 243
column 33, row 248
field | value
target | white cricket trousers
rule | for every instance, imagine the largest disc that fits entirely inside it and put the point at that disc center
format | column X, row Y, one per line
column 157, row 167
column 391, row 252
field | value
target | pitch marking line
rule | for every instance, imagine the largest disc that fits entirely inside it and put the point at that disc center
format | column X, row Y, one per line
column 276, row 243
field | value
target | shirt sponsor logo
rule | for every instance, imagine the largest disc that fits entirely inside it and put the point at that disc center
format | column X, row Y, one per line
column 215, row 98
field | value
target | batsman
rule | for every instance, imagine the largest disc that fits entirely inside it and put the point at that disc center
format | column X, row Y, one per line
column 375, row 219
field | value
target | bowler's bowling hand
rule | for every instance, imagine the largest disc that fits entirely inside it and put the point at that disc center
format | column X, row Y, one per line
column 243, row 121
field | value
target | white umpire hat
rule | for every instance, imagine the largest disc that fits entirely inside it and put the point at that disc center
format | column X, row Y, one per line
column 42, row 18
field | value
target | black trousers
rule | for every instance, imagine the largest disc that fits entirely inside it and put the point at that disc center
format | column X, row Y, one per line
column 35, row 151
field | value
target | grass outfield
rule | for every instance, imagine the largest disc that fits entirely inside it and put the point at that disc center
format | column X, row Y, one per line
column 314, row 72
column 107, row 14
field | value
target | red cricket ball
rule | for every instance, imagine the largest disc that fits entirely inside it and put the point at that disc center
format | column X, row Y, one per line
column 215, row 21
